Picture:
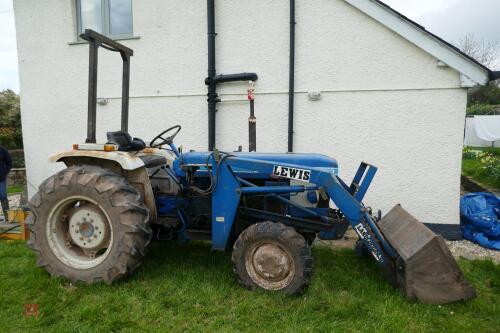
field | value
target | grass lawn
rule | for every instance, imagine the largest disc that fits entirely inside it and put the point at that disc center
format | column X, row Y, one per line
column 474, row 168
column 15, row 189
column 186, row 288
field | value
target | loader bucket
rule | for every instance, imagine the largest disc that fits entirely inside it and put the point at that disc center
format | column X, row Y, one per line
column 425, row 270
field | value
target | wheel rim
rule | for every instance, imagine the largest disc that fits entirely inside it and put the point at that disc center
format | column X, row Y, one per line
column 79, row 232
column 270, row 266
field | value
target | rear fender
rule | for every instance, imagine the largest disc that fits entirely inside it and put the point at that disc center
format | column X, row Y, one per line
column 125, row 164
column 126, row 161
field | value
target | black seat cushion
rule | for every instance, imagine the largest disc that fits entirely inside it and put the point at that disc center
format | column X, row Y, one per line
column 151, row 161
column 125, row 142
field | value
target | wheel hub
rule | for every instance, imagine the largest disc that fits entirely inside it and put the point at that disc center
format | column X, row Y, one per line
column 270, row 265
column 271, row 262
column 87, row 229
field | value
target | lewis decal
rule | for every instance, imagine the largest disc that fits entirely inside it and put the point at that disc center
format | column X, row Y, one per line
column 292, row 173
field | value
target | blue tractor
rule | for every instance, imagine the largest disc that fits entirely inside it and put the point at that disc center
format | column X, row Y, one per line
column 94, row 220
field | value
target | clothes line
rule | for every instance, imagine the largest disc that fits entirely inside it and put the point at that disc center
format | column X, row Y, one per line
column 482, row 131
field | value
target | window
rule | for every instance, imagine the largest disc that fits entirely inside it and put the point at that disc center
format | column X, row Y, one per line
column 112, row 18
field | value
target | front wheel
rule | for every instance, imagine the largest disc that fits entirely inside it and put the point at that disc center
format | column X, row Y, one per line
column 273, row 257
column 88, row 224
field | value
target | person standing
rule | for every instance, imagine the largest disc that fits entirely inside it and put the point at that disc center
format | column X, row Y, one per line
column 5, row 166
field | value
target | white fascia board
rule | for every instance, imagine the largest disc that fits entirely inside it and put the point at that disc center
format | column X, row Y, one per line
column 423, row 40
column 465, row 82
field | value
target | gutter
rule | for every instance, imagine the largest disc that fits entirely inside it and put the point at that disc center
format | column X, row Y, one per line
column 494, row 75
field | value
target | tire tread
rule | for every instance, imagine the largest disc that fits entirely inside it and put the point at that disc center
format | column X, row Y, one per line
column 133, row 217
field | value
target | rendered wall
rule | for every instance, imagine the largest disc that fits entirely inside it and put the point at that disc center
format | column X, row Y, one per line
column 384, row 100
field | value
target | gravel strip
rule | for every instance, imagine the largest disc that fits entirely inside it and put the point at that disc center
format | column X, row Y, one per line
column 459, row 249
column 471, row 251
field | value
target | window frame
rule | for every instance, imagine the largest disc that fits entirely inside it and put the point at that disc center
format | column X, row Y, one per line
column 105, row 21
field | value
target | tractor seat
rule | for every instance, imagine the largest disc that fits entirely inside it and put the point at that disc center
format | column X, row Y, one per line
column 125, row 142
column 151, row 161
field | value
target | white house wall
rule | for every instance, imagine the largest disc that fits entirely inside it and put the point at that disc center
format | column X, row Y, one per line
column 383, row 100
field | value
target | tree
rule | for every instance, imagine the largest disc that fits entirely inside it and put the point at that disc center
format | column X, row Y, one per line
column 10, row 120
column 482, row 100
column 486, row 52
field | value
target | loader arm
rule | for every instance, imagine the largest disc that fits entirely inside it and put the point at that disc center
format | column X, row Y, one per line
column 225, row 199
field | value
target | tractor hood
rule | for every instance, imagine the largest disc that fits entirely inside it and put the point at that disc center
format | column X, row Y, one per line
column 302, row 160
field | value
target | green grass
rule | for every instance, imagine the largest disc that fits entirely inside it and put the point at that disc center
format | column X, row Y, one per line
column 186, row 288
column 470, row 169
column 15, row 189
column 474, row 168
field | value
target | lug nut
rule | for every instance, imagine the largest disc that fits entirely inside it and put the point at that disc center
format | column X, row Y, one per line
column 95, row 236
column 96, row 228
column 81, row 238
column 76, row 231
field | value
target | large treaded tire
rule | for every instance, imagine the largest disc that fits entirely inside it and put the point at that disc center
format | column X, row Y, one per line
column 289, row 240
column 129, row 219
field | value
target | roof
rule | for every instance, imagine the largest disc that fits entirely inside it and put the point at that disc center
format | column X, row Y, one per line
column 472, row 72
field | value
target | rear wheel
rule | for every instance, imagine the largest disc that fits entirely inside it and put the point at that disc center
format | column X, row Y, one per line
column 88, row 224
column 273, row 256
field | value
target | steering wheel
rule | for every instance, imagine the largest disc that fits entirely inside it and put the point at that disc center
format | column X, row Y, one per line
column 160, row 140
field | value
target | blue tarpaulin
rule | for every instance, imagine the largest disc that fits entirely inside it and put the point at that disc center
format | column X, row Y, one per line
column 480, row 219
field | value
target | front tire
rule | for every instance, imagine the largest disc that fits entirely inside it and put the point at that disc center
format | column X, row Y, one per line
column 272, row 256
column 88, row 224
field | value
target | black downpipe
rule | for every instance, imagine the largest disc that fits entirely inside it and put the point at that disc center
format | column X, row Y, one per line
column 211, row 82
column 223, row 78
column 291, row 83
column 213, row 79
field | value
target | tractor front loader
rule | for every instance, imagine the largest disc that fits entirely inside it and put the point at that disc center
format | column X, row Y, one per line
column 93, row 221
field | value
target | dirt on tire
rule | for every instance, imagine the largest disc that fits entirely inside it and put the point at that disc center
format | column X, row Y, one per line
column 288, row 239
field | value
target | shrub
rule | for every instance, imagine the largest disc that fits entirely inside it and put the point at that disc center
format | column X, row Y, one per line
column 7, row 141
column 10, row 120
column 490, row 166
column 11, row 139
column 477, row 109
column 469, row 154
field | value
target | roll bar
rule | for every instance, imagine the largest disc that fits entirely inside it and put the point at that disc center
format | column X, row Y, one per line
column 95, row 40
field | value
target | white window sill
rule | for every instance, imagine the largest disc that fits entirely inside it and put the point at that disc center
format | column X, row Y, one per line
column 76, row 42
